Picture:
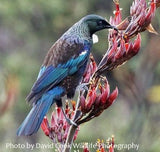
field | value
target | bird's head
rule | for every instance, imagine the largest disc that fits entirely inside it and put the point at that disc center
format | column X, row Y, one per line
column 96, row 23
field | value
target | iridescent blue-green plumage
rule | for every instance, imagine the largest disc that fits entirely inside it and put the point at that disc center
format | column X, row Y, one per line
column 62, row 70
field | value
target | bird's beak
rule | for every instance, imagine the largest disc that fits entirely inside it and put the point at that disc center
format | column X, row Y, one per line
column 112, row 27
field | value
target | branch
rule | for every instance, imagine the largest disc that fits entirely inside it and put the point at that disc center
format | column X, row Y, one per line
column 72, row 129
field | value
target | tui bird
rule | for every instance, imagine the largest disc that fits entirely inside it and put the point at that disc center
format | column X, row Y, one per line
column 62, row 70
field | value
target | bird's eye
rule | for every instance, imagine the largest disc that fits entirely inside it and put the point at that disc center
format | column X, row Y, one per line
column 100, row 22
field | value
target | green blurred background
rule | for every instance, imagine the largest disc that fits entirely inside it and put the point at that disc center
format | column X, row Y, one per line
column 28, row 29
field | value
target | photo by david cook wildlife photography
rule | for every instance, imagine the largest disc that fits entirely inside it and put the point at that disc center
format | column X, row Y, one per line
column 80, row 76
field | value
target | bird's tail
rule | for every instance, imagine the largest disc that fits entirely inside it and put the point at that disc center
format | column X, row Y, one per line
column 34, row 119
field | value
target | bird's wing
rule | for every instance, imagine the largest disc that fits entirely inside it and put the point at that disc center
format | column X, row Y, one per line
column 50, row 76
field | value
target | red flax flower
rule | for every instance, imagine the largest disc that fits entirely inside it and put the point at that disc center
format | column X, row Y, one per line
column 141, row 17
column 101, row 146
column 11, row 93
column 57, row 131
column 97, row 101
column 85, row 149
column 121, row 48
column 98, row 97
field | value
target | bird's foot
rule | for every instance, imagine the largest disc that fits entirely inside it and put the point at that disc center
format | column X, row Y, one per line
column 69, row 121
column 83, row 86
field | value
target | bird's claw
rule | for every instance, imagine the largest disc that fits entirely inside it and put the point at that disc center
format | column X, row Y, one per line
column 83, row 86
column 69, row 121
